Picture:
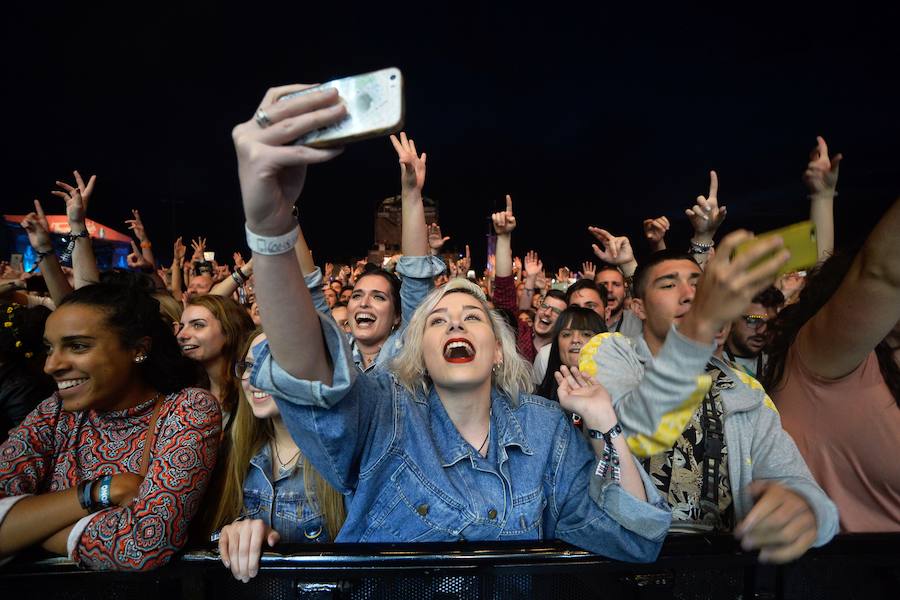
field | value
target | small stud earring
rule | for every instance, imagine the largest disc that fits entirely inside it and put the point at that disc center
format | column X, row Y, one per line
column 140, row 358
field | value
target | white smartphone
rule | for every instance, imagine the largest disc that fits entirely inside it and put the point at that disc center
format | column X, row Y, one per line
column 374, row 104
column 209, row 256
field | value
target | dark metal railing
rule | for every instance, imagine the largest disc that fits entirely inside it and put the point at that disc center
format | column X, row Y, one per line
column 689, row 566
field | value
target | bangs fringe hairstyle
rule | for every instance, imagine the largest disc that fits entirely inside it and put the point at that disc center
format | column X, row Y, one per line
column 245, row 439
column 512, row 377
column 574, row 317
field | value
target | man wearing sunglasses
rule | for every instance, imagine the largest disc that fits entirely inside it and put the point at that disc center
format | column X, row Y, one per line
column 749, row 336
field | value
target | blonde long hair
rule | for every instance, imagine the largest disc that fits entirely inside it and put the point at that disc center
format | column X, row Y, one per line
column 247, row 436
column 513, row 376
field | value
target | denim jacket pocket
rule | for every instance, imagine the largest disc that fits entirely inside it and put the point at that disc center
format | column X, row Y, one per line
column 526, row 519
column 252, row 503
column 413, row 510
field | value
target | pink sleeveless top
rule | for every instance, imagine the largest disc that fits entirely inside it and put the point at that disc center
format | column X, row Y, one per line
column 848, row 430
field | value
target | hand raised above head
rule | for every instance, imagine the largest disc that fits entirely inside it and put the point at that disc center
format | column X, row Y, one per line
column 38, row 230
column 271, row 169
column 706, row 215
column 615, row 250
column 504, row 221
column 412, row 166
column 533, row 264
column 821, row 173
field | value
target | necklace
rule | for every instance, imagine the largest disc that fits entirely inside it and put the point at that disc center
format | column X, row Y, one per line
column 488, row 434
column 284, row 466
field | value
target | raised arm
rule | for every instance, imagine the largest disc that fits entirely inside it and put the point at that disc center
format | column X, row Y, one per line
column 615, row 250
column 863, row 310
column 38, row 230
column 84, row 263
column 534, row 270
column 655, row 233
column 706, row 216
column 821, row 178
column 177, row 269
column 414, row 234
column 233, row 281
column 504, row 224
column 272, row 175
column 140, row 232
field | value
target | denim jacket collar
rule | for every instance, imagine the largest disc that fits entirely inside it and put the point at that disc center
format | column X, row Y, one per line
column 505, row 428
column 262, row 460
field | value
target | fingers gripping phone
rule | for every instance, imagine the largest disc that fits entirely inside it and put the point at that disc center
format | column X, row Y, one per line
column 799, row 240
column 374, row 104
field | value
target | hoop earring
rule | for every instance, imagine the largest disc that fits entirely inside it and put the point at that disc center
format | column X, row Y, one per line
column 140, row 358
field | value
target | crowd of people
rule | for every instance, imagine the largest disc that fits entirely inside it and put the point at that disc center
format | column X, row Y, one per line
column 700, row 390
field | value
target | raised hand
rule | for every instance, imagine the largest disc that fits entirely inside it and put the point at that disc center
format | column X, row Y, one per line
column 504, row 221
column 238, row 260
column 655, row 232
column 136, row 259
column 178, row 253
column 435, row 241
column 584, row 396
column 199, row 246
column 412, row 166
column 38, row 230
column 563, row 274
column 821, row 173
column 588, row 270
column 517, row 266
column 465, row 263
column 76, row 207
column 137, row 226
column 533, row 265
column 272, row 169
column 612, row 249
column 728, row 285
column 706, row 215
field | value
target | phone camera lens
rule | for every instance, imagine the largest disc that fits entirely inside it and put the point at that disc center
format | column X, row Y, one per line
column 393, row 77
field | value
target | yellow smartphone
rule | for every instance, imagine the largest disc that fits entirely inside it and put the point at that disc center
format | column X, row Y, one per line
column 799, row 240
column 374, row 104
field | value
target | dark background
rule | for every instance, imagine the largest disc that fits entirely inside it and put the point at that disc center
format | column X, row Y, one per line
column 586, row 115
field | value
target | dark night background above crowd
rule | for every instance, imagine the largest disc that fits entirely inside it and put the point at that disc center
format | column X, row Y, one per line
column 585, row 114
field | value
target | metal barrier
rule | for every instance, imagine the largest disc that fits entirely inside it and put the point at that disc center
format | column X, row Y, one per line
column 689, row 566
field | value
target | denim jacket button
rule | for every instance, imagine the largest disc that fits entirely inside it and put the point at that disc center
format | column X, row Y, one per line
column 492, row 514
column 422, row 510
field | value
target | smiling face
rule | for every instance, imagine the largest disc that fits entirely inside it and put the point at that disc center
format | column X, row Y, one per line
column 261, row 403
column 201, row 337
column 546, row 315
column 372, row 312
column 459, row 345
column 671, row 286
column 91, row 366
column 199, row 285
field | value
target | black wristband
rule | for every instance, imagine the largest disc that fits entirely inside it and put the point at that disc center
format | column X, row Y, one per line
column 84, row 495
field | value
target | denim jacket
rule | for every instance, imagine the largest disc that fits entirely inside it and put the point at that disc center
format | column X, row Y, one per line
column 412, row 477
column 282, row 504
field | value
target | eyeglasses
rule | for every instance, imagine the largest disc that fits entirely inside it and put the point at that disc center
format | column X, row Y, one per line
column 556, row 311
column 755, row 321
column 242, row 370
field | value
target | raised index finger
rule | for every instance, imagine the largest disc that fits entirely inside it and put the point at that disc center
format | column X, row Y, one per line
column 713, row 184
column 39, row 209
column 509, row 203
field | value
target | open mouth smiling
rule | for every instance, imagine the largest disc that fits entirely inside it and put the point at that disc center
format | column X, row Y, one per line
column 459, row 350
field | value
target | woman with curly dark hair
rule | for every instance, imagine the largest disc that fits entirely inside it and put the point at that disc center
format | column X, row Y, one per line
column 110, row 469
column 833, row 374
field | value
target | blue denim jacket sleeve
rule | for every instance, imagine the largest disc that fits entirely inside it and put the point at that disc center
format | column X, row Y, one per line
column 418, row 274
column 598, row 514
column 314, row 283
column 335, row 426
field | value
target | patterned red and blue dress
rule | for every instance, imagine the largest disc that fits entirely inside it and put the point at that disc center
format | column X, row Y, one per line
column 54, row 449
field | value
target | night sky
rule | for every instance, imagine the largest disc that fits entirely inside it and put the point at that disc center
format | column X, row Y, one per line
column 586, row 115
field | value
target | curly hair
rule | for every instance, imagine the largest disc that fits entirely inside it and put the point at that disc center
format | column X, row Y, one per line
column 134, row 315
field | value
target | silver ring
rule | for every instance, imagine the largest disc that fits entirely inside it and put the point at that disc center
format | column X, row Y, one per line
column 262, row 119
